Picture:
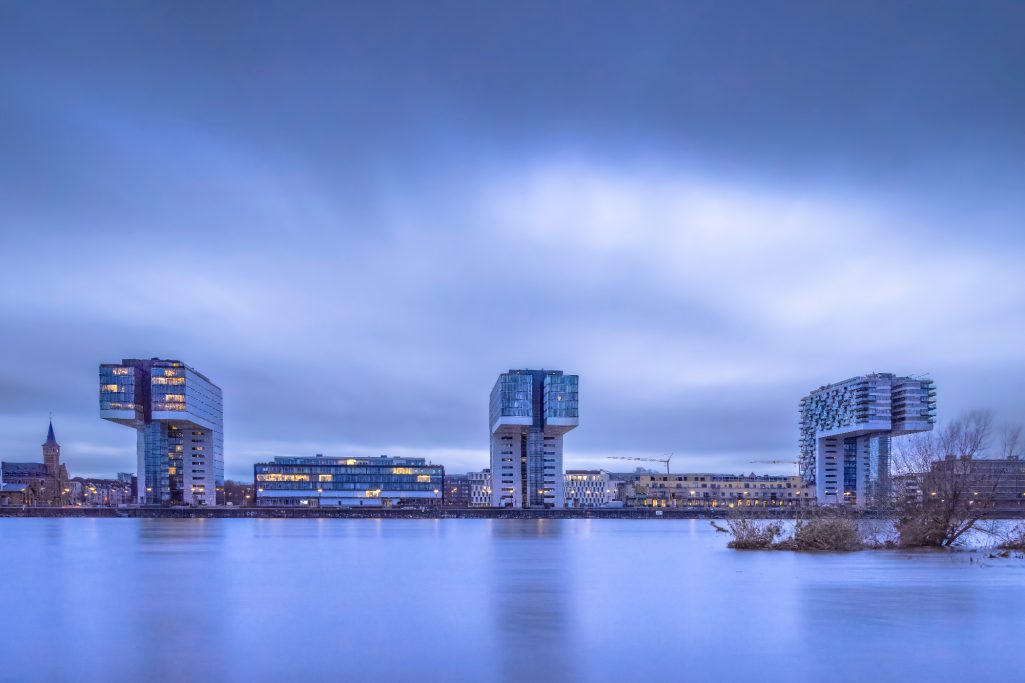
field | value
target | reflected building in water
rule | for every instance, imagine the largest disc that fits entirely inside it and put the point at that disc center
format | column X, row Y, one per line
column 177, row 414
column 530, row 412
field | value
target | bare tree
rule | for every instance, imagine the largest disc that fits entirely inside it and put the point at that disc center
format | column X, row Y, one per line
column 942, row 489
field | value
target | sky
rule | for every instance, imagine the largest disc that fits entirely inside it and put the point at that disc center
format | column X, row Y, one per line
column 353, row 216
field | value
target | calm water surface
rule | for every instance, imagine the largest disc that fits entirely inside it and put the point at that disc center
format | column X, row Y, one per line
column 487, row 600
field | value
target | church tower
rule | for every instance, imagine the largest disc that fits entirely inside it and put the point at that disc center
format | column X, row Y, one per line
column 52, row 453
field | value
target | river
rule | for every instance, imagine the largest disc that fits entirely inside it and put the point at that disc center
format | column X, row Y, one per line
column 252, row 600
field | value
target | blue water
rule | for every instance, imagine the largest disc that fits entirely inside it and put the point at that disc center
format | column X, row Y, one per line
column 487, row 600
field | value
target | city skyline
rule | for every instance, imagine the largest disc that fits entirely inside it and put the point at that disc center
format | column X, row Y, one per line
column 686, row 209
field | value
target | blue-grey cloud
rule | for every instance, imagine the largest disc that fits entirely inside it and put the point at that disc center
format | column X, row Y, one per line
column 354, row 218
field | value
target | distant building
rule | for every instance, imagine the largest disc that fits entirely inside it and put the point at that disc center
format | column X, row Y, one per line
column 588, row 489
column 723, row 490
column 15, row 494
column 319, row 481
column 44, row 483
column 457, row 490
column 531, row 411
column 239, row 494
column 101, row 492
column 999, row 482
column 480, row 488
column 178, row 416
column 846, row 429
column 132, row 480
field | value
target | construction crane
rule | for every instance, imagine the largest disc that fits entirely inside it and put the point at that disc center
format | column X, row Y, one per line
column 777, row 462
column 664, row 461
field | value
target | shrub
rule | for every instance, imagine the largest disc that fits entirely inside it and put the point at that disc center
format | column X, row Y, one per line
column 751, row 534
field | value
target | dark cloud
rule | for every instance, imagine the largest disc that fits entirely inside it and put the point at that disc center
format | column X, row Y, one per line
column 354, row 217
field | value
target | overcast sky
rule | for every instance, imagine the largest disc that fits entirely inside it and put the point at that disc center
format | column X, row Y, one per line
column 353, row 217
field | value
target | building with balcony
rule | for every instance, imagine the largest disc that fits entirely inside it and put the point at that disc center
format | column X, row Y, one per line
column 722, row 490
column 588, row 489
column 177, row 414
column 329, row 482
column 531, row 411
column 846, row 430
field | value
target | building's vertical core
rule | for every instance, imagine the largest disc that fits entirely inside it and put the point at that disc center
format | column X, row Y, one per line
column 531, row 410
column 846, row 430
column 178, row 416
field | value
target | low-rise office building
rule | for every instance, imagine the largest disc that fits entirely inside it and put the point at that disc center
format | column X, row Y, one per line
column 588, row 489
column 723, row 490
column 996, row 483
column 457, row 491
column 319, row 481
column 480, row 488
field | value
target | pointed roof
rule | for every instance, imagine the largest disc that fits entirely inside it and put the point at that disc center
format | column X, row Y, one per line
column 51, row 440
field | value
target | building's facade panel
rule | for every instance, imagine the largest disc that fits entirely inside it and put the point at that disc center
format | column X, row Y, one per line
column 723, row 490
column 480, row 488
column 350, row 482
column 588, row 489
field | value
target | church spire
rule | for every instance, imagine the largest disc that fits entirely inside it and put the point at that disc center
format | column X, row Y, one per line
column 51, row 440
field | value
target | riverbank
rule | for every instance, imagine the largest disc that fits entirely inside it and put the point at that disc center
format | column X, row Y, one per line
column 401, row 513
column 375, row 513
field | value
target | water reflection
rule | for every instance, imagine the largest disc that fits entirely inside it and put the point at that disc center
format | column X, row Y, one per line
column 532, row 596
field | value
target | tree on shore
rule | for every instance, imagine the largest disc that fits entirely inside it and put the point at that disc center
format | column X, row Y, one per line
column 942, row 490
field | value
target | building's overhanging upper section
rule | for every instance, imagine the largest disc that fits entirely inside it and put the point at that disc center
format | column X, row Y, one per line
column 534, row 398
column 561, row 402
column 856, row 429
column 136, row 392
column 124, row 394
column 873, row 403
column 510, row 423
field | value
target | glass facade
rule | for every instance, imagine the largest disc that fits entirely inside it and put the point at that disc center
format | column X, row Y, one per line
column 512, row 396
column 319, row 481
column 122, row 389
column 561, row 396
column 178, row 414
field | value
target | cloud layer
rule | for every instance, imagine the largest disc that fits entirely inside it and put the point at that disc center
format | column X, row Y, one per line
column 354, row 232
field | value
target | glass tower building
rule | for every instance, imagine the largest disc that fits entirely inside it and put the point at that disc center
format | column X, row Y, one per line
column 846, row 429
column 531, row 411
column 178, row 418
